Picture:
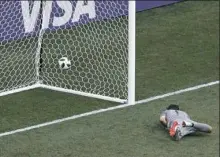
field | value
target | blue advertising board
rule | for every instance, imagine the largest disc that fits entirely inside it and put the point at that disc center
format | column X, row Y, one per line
column 19, row 19
column 144, row 5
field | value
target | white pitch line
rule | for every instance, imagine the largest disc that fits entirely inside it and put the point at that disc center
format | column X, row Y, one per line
column 108, row 109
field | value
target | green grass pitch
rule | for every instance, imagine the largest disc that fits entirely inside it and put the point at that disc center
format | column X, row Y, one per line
column 177, row 47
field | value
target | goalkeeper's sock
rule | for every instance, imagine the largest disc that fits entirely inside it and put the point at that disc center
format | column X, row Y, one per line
column 187, row 124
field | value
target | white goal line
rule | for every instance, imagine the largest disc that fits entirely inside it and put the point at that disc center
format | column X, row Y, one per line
column 108, row 109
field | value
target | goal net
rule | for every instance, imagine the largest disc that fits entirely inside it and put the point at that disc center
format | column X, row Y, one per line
column 92, row 35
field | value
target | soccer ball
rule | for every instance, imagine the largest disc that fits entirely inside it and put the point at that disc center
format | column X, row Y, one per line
column 64, row 63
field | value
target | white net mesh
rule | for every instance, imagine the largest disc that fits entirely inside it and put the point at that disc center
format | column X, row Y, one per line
column 93, row 36
column 17, row 51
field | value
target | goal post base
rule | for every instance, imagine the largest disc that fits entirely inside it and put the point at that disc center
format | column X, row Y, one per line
column 20, row 89
column 83, row 93
column 38, row 85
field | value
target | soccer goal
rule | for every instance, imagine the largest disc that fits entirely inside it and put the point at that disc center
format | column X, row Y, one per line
column 79, row 47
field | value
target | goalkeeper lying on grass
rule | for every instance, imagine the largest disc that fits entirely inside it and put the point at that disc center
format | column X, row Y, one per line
column 179, row 123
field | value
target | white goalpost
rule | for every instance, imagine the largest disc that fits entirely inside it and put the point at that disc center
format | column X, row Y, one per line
column 131, row 51
column 80, row 47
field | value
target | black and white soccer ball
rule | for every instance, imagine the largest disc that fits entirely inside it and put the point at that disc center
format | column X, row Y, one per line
column 64, row 63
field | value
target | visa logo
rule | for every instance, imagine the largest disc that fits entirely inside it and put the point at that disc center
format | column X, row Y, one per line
column 30, row 15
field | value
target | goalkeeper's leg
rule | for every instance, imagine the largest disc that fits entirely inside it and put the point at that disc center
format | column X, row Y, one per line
column 189, row 127
column 201, row 127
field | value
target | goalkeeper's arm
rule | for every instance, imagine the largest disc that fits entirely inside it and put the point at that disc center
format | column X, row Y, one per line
column 163, row 120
